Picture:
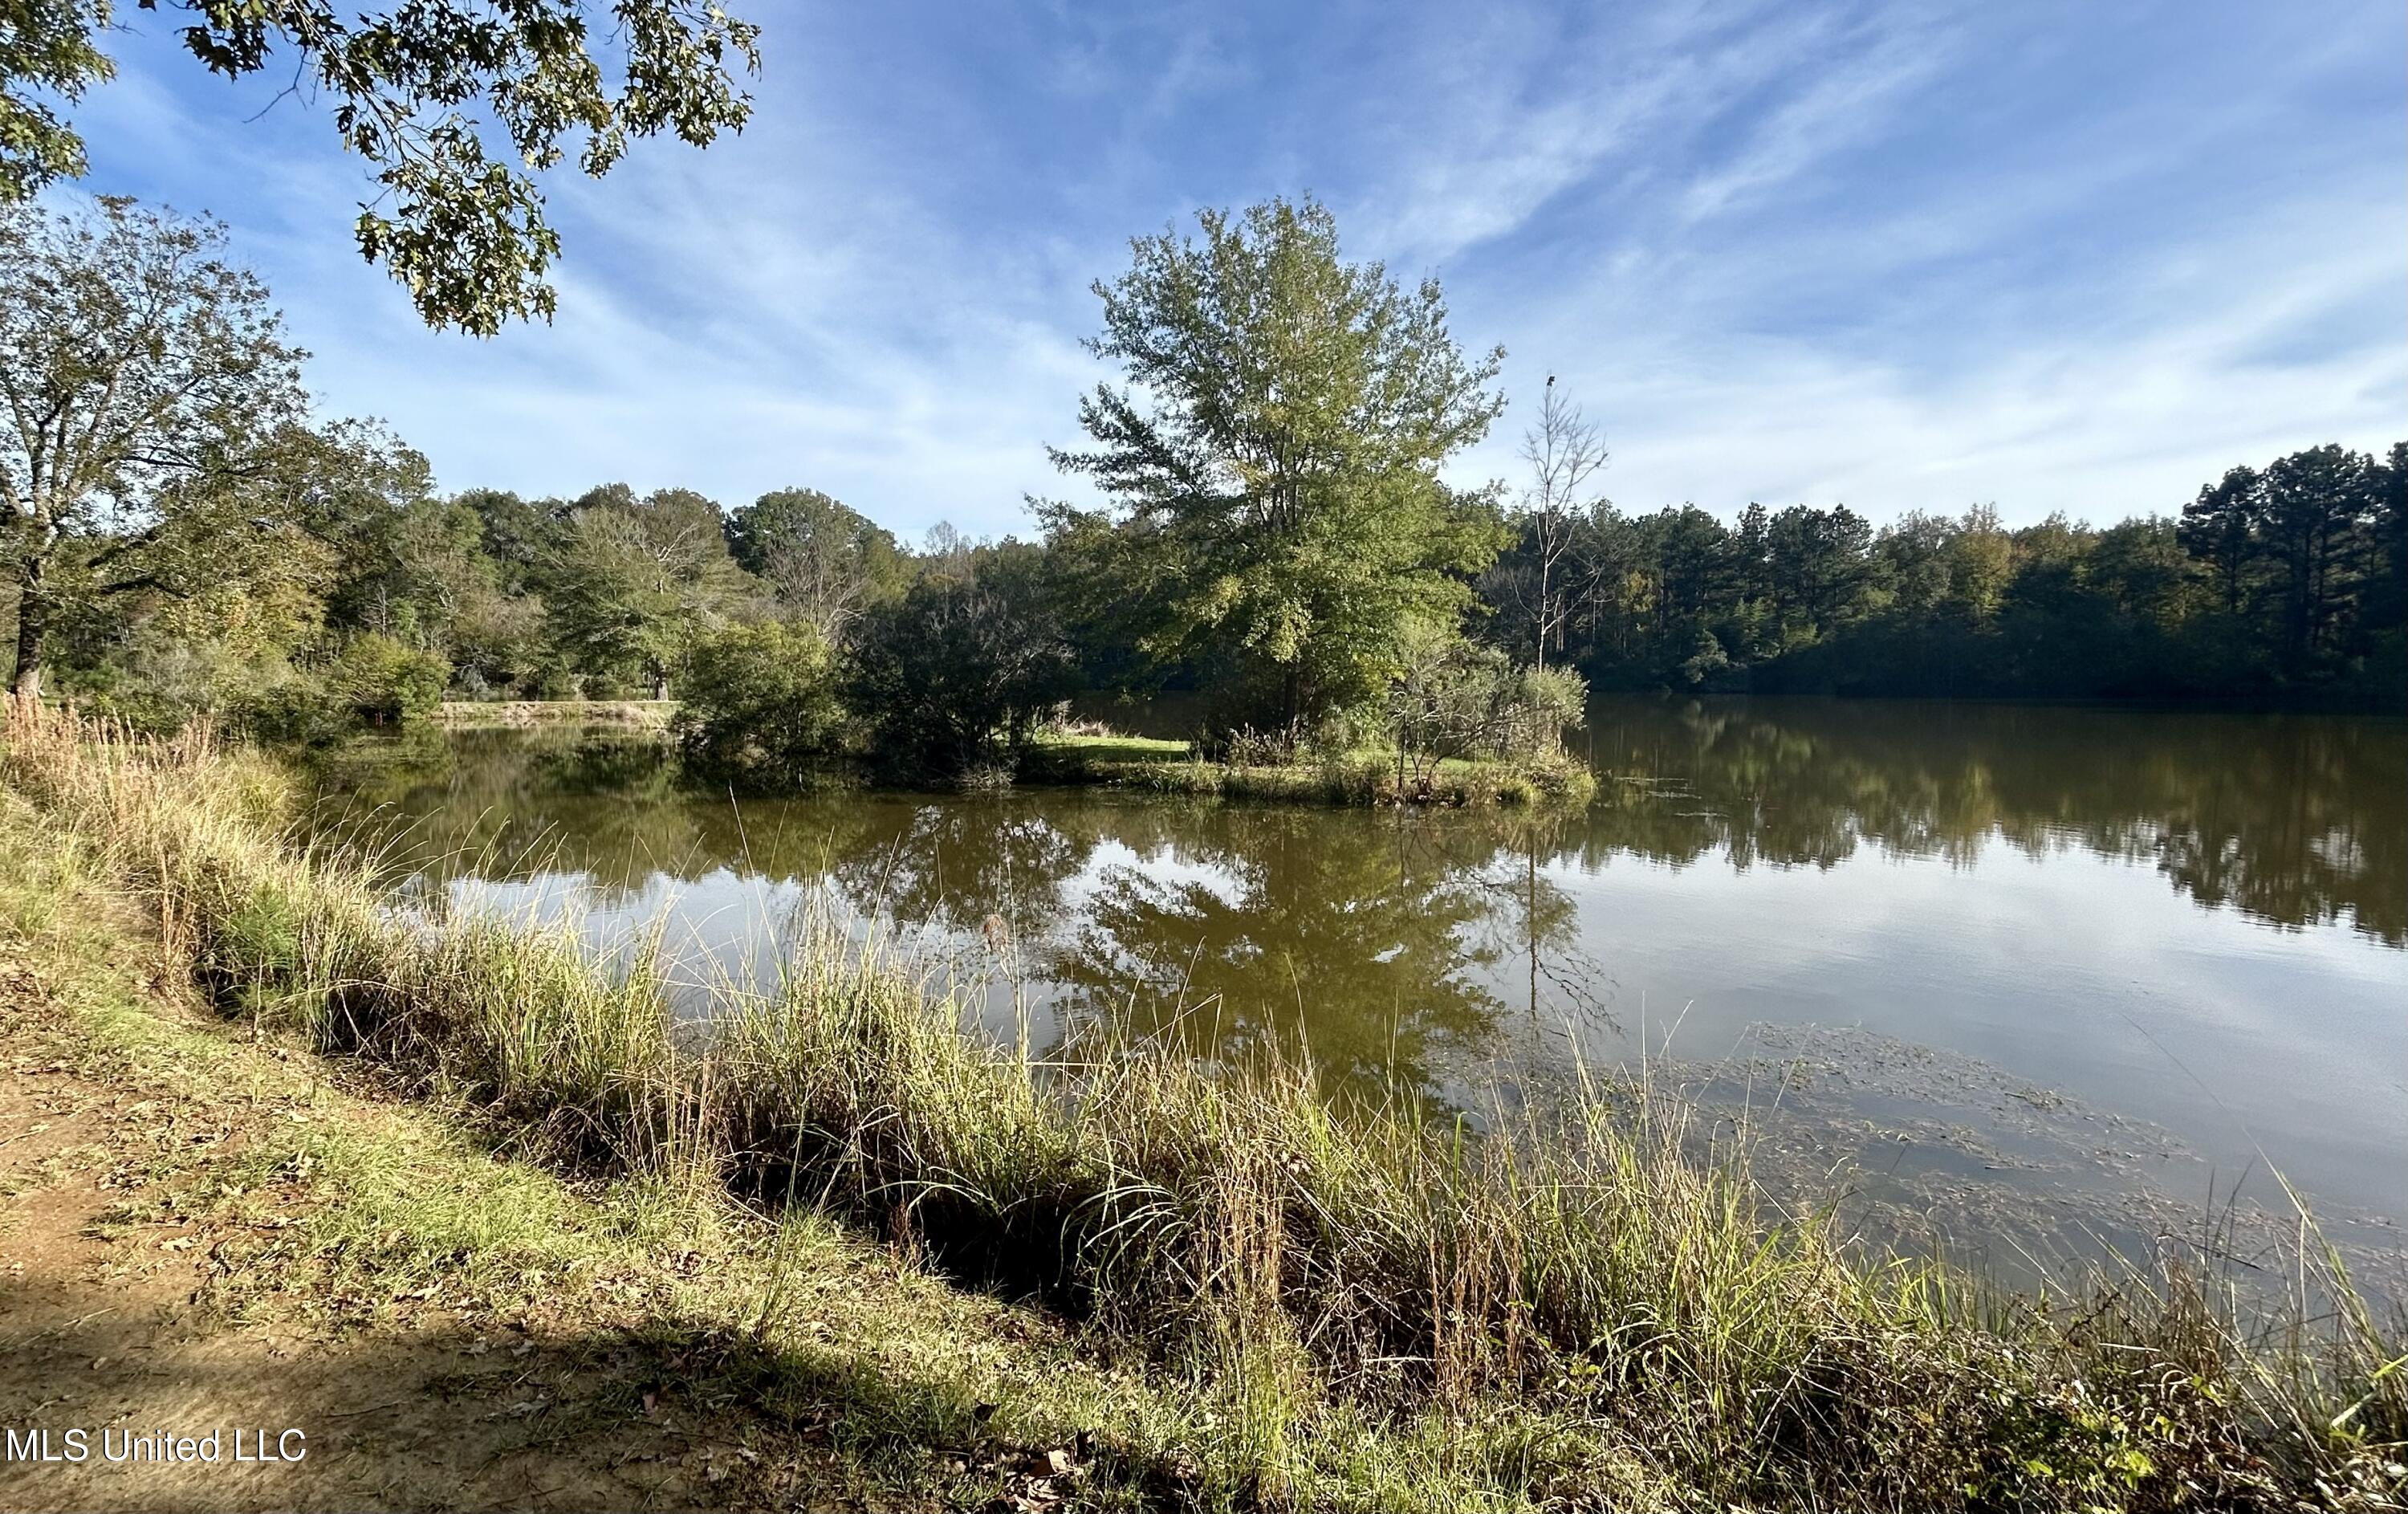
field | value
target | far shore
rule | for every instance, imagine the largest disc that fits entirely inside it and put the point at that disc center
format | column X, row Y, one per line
column 473, row 715
column 1147, row 764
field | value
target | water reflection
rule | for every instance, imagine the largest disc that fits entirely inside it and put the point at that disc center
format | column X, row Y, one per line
column 2182, row 923
column 1270, row 928
column 2292, row 820
column 1232, row 930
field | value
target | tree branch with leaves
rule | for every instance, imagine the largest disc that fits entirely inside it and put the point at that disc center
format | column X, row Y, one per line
column 457, row 218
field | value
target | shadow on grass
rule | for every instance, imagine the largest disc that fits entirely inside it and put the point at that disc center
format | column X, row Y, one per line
column 664, row 1414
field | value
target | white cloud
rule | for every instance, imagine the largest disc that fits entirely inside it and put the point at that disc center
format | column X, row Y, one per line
column 1838, row 105
column 1767, row 246
column 2128, row 418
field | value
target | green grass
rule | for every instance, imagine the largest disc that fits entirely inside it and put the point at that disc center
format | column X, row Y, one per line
column 1070, row 747
column 1359, row 778
column 1565, row 1309
column 634, row 714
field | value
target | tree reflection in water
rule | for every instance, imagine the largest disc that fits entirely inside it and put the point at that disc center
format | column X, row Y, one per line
column 1439, row 949
column 1268, row 930
column 2294, row 820
column 1394, row 946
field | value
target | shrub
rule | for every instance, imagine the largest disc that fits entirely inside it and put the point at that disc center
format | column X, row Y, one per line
column 759, row 702
column 607, row 687
column 962, row 672
column 294, row 711
column 158, row 686
column 377, row 680
column 1244, row 747
column 1457, row 699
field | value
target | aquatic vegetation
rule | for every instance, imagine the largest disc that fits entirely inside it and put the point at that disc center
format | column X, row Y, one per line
column 1357, row 778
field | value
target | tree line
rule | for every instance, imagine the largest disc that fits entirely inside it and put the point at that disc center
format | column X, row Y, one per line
column 1277, row 533
column 2280, row 582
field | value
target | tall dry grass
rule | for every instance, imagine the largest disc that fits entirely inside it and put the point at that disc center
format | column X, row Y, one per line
column 1571, row 1261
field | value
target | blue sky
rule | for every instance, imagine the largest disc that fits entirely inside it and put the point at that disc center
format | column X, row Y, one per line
column 2071, row 256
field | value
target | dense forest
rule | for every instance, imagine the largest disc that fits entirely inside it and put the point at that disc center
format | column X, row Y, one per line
column 187, row 537
column 2281, row 582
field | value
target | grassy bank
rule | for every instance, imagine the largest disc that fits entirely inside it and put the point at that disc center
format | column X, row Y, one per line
column 200, row 1220
column 1381, row 1308
column 1146, row 764
column 517, row 715
column 1359, row 778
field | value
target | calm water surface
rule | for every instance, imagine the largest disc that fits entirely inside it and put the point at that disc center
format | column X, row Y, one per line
column 2009, row 978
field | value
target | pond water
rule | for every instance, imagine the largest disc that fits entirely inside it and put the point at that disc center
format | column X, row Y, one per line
column 2016, row 981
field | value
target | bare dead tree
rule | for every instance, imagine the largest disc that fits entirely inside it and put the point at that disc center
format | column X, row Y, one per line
column 822, row 579
column 1565, row 452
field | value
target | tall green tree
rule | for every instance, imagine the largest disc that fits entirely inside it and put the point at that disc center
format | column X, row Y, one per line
column 1690, row 555
column 1276, row 459
column 1912, row 558
column 1981, row 561
column 2387, row 598
column 414, row 570
column 2317, row 506
column 458, row 219
column 521, row 536
column 135, row 362
column 2220, row 527
column 634, row 581
column 1819, row 563
column 825, row 563
column 2138, row 566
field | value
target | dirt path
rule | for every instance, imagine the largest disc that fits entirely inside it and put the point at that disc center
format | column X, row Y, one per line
column 112, row 1322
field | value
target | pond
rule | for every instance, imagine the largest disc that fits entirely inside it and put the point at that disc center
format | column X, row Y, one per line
column 2017, row 982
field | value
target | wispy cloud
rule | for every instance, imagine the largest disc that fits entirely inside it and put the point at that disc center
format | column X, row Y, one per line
column 2126, row 412
column 1866, row 71
column 1891, row 254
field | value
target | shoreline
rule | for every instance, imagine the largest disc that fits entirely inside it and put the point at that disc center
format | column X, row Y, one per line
column 1232, row 1228
column 525, row 714
column 1133, row 764
column 1366, row 779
